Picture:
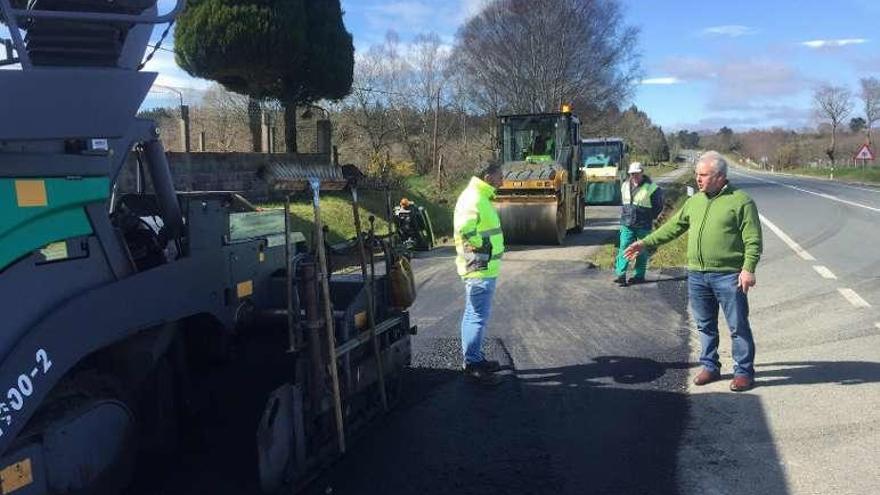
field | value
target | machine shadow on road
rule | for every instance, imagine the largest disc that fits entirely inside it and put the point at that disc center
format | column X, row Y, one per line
column 573, row 431
column 621, row 369
column 728, row 447
column 597, row 401
column 819, row 372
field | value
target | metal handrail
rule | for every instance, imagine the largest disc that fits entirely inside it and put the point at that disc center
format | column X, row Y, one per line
column 13, row 15
column 100, row 16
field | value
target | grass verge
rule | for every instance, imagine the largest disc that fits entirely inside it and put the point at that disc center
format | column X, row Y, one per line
column 338, row 216
column 854, row 174
column 656, row 171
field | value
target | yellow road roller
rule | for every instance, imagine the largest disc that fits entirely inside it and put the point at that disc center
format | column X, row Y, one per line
column 542, row 197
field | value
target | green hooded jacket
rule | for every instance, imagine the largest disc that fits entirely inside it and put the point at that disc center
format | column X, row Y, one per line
column 724, row 231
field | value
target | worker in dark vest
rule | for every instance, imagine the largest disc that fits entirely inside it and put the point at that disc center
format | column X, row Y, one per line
column 642, row 202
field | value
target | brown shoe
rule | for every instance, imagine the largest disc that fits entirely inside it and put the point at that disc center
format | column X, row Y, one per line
column 705, row 377
column 741, row 383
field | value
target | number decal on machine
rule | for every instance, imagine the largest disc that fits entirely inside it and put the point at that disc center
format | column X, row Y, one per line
column 23, row 388
column 43, row 359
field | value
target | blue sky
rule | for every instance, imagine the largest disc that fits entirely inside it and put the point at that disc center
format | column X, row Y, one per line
column 748, row 63
column 706, row 63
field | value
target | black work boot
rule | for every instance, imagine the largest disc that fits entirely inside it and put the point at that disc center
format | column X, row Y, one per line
column 480, row 375
column 487, row 365
column 621, row 280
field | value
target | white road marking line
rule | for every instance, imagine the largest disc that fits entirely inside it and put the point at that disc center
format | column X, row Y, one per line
column 850, row 186
column 825, row 272
column 786, row 239
column 853, row 298
column 821, row 195
column 817, row 178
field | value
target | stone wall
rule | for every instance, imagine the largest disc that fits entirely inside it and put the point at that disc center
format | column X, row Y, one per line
column 242, row 172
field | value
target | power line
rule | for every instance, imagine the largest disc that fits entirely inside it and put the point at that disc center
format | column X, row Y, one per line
column 158, row 47
column 393, row 93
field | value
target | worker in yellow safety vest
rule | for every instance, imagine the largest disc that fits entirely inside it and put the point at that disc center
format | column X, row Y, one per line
column 642, row 202
column 479, row 245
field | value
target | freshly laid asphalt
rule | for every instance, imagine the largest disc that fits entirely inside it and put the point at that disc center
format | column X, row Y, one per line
column 597, row 397
column 592, row 401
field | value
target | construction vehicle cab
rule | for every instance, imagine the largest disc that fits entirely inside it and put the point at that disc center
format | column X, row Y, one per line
column 133, row 317
column 604, row 162
column 541, row 198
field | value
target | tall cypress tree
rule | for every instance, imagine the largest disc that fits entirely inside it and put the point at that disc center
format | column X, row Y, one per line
column 296, row 51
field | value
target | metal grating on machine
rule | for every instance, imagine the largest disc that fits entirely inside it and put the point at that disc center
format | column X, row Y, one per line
column 295, row 177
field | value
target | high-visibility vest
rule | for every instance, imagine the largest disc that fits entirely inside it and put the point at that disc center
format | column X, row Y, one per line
column 479, row 243
column 642, row 197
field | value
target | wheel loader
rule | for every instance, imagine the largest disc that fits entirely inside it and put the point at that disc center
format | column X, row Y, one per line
column 542, row 196
column 604, row 163
column 145, row 323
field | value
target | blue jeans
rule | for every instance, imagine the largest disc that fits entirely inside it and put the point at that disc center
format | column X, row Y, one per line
column 708, row 290
column 629, row 235
column 477, row 309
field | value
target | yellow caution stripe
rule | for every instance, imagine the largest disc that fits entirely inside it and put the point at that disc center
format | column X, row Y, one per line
column 245, row 289
column 16, row 476
column 31, row 193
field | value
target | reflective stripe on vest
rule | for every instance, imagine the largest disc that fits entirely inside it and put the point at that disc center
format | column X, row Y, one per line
column 642, row 197
column 477, row 224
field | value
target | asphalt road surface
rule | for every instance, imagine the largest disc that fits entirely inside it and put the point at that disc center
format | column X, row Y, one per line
column 596, row 396
column 598, row 399
column 812, row 426
column 592, row 399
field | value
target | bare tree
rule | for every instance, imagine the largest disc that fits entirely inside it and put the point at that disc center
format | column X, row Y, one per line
column 370, row 98
column 870, row 96
column 534, row 55
column 832, row 104
column 423, row 101
column 226, row 114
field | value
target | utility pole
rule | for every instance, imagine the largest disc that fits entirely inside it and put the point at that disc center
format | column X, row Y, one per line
column 434, row 162
column 184, row 128
column 185, row 142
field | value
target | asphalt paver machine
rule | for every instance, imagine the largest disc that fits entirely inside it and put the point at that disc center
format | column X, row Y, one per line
column 134, row 321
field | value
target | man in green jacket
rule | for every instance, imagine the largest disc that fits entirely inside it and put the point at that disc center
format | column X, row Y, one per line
column 479, row 245
column 724, row 246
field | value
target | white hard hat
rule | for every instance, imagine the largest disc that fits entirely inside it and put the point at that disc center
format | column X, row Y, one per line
column 635, row 168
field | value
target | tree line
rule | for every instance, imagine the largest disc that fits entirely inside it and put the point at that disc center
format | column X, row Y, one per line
column 845, row 119
column 422, row 105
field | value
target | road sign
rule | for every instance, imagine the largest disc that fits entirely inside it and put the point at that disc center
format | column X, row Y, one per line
column 865, row 153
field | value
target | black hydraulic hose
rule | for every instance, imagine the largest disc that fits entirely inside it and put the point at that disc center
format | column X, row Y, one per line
column 163, row 185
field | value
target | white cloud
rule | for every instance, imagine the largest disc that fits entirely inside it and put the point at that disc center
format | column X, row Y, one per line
column 751, row 80
column 755, row 117
column 737, row 83
column 833, row 43
column 732, row 30
column 470, row 8
column 661, row 80
column 690, row 68
column 401, row 16
column 173, row 76
column 408, row 17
